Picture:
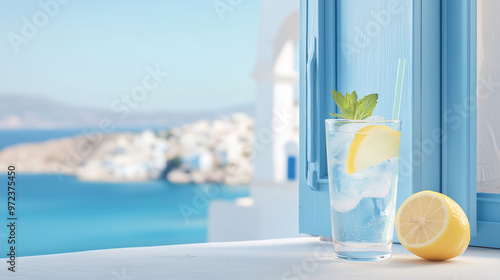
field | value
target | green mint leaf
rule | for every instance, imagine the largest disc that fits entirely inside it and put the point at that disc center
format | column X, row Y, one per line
column 354, row 98
column 366, row 106
column 338, row 98
column 351, row 108
column 342, row 102
column 353, row 104
column 337, row 115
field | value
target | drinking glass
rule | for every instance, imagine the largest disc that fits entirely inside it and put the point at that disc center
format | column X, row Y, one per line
column 362, row 173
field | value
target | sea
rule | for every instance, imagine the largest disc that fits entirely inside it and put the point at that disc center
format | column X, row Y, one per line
column 63, row 214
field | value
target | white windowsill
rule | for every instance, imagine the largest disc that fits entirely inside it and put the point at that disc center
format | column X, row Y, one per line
column 292, row 258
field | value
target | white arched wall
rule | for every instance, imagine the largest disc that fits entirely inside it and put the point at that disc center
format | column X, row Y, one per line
column 275, row 199
column 283, row 105
column 272, row 210
column 275, row 81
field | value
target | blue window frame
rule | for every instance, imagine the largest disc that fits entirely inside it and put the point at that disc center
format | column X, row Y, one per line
column 438, row 39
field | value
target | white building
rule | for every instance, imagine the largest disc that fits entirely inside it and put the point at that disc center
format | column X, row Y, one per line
column 272, row 211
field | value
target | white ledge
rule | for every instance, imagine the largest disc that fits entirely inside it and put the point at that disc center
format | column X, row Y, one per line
column 295, row 258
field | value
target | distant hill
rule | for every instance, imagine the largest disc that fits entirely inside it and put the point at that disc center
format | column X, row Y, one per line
column 22, row 111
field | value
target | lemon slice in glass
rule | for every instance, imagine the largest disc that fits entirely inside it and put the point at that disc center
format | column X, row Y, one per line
column 371, row 145
column 432, row 226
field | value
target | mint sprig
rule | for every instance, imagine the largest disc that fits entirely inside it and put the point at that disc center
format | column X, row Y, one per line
column 352, row 108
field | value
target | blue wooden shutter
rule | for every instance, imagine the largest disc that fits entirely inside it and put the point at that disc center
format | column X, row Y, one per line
column 438, row 39
column 459, row 89
column 329, row 35
column 317, row 78
column 459, row 19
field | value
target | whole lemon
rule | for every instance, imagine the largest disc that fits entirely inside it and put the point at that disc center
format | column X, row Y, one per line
column 432, row 226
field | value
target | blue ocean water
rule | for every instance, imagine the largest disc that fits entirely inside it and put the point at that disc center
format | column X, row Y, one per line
column 70, row 215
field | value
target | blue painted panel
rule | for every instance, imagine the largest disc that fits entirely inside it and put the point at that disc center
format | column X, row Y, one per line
column 317, row 42
column 487, row 235
column 440, row 97
column 488, row 208
column 424, row 162
column 372, row 36
column 486, row 230
column 459, row 104
column 428, row 47
column 364, row 67
column 472, row 125
column 488, row 224
column 354, row 54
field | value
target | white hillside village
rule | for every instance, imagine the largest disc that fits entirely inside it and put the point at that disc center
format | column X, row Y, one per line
column 205, row 151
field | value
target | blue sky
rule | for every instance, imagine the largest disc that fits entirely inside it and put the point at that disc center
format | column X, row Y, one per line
column 91, row 52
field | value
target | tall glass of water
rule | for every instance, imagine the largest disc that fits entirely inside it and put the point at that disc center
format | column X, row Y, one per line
column 363, row 173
